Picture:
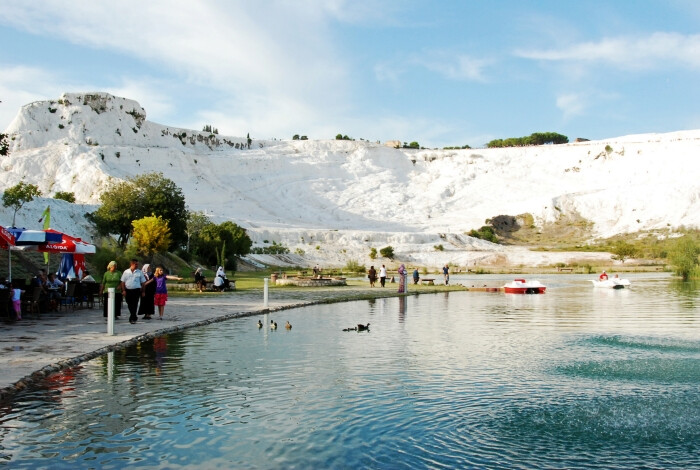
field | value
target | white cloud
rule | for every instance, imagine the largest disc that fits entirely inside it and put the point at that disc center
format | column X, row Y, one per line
column 277, row 48
column 148, row 93
column 654, row 51
column 571, row 104
column 454, row 67
column 21, row 85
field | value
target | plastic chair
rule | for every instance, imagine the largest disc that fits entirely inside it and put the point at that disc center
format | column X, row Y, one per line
column 69, row 297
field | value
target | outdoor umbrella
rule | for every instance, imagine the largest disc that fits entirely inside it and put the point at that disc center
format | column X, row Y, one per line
column 14, row 238
column 64, row 243
column 24, row 237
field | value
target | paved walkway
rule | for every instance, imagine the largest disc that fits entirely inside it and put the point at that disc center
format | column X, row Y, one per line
column 39, row 345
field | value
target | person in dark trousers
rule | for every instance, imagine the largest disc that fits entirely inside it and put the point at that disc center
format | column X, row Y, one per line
column 446, row 274
column 147, row 306
column 382, row 275
column 132, row 287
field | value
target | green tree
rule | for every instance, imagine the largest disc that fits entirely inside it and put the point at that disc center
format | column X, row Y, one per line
column 387, row 252
column 372, row 253
column 196, row 221
column 227, row 237
column 150, row 235
column 65, row 196
column 623, row 251
column 295, row 137
column 683, row 256
column 139, row 197
column 19, row 194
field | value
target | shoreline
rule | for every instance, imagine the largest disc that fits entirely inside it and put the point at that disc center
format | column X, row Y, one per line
column 38, row 346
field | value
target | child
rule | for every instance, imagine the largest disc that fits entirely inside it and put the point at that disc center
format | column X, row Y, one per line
column 17, row 302
column 161, row 296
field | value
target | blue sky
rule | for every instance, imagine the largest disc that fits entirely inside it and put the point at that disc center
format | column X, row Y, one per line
column 441, row 73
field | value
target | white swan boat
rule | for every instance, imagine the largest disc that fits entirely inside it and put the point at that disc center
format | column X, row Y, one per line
column 611, row 283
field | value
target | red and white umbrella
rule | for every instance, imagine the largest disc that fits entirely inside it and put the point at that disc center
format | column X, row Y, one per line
column 67, row 244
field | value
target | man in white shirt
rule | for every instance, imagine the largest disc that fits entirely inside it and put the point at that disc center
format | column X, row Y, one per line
column 382, row 275
column 132, row 288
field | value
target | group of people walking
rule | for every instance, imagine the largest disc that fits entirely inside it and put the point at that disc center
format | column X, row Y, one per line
column 372, row 275
column 142, row 289
column 403, row 276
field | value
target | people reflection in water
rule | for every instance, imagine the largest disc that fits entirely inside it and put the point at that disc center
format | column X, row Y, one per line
column 402, row 309
column 160, row 346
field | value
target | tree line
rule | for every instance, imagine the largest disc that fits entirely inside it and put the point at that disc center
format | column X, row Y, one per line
column 537, row 138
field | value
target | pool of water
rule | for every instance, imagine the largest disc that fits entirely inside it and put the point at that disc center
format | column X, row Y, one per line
column 575, row 378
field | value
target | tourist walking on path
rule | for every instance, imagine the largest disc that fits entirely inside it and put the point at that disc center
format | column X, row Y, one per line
column 111, row 279
column 382, row 275
column 159, row 281
column 132, row 288
column 416, row 276
column 147, row 307
column 403, row 274
column 372, row 275
column 446, row 274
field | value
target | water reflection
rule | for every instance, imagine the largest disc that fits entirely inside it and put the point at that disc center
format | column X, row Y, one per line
column 578, row 377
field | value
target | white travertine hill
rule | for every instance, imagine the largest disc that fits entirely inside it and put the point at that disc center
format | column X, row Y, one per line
column 335, row 199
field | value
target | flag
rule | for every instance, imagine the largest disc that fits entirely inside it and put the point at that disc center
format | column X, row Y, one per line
column 46, row 217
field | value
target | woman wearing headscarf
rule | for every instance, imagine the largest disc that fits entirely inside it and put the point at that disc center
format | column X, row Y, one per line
column 403, row 274
column 111, row 279
column 224, row 283
column 147, row 306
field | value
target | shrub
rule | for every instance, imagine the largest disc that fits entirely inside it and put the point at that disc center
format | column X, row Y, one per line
column 439, row 248
column 623, row 250
column 484, row 233
column 683, row 256
column 65, row 196
column 354, row 267
column 387, row 252
column 373, row 253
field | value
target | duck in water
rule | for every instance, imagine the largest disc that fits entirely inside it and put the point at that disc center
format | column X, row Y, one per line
column 260, row 325
column 288, row 326
column 273, row 325
column 359, row 327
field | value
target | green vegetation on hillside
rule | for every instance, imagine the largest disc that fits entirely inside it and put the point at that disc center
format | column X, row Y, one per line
column 537, row 138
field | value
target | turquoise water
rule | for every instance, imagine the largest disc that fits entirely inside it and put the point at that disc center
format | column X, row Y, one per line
column 575, row 378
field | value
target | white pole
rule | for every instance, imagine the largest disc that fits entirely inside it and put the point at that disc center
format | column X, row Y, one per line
column 265, row 293
column 111, row 297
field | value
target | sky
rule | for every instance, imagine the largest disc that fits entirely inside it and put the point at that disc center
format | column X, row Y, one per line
column 440, row 73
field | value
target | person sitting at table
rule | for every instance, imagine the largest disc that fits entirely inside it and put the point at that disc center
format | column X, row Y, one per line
column 87, row 277
column 54, row 286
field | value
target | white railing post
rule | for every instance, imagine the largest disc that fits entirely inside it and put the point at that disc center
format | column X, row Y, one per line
column 111, row 299
column 266, row 292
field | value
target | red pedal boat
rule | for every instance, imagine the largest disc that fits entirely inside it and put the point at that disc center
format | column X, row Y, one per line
column 521, row 286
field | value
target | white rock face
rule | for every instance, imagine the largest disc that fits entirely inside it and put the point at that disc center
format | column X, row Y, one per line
column 334, row 200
